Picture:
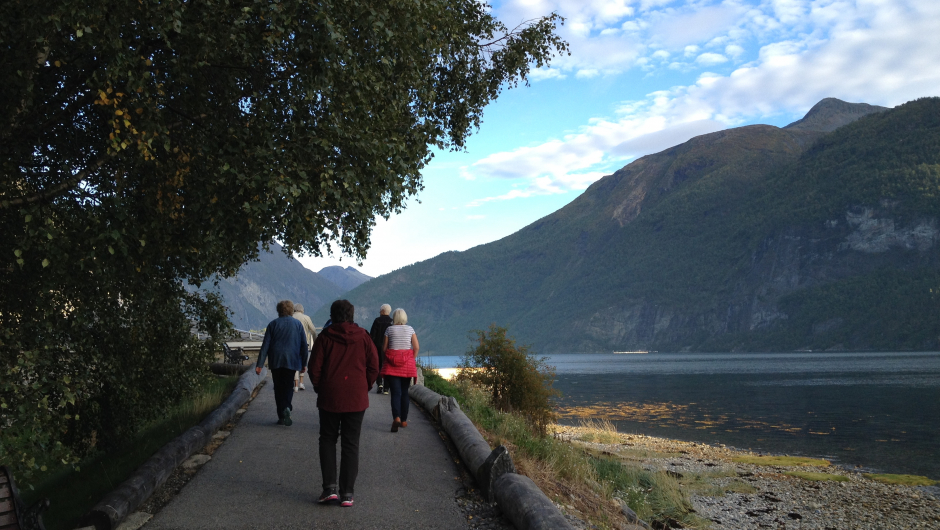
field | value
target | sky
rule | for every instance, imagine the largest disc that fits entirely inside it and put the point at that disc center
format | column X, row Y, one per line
column 643, row 76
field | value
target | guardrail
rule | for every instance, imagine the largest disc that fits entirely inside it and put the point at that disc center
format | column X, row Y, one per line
column 520, row 499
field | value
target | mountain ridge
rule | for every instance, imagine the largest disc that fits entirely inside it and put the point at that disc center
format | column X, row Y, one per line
column 733, row 240
column 253, row 293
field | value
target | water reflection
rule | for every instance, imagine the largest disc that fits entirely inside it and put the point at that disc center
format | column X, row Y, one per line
column 878, row 410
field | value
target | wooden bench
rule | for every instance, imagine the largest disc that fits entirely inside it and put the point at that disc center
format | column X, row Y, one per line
column 13, row 514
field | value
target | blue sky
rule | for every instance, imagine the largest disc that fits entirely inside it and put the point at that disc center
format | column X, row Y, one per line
column 643, row 76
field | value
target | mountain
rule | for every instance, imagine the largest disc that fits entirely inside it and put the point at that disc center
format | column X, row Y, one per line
column 831, row 113
column 252, row 295
column 819, row 235
column 347, row 279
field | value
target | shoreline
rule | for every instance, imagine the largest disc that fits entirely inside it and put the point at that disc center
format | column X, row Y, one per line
column 741, row 495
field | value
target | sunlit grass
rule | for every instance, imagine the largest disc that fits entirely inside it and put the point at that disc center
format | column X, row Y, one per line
column 903, row 480
column 570, row 475
column 817, row 477
column 599, row 431
column 783, row 461
column 72, row 493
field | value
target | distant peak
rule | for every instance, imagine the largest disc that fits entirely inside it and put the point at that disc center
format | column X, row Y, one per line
column 345, row 278
column 831, row 113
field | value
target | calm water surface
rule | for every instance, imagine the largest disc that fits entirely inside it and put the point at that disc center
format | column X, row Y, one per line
column 880, row 411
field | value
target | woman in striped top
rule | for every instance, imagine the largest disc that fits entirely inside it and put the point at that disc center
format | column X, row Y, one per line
column 400, row 349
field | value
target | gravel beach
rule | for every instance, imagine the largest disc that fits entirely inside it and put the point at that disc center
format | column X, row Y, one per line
column 736, row 495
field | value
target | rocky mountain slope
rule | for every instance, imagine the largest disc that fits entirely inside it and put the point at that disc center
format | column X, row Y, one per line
column 253, row 294
column 819, row 235
column 346, row 278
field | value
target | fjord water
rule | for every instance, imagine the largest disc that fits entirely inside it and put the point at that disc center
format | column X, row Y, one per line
column 880, row 411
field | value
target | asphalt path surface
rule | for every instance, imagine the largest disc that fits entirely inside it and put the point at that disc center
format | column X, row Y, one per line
column 268, row 476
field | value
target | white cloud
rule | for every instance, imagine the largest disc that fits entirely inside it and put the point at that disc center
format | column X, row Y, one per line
column 587, row 74
column 711, row 59
column 734, row 50
column 657, row 141
column 876, row 51
column 678, row 28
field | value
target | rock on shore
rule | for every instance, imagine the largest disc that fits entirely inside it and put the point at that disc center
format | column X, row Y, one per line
column 745, row 496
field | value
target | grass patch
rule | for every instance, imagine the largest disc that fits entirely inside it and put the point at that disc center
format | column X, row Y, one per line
column 739, row 486
column 570, row 475
column 785, row 461
column 73, row 492
column 903, row 480
column 708, row 483
column 817, row 477
column 434, row 381
column 599, row 431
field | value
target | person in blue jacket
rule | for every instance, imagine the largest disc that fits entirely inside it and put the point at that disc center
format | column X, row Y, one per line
column 285, row 348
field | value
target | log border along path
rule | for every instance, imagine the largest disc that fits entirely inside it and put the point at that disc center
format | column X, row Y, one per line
column 268, row 476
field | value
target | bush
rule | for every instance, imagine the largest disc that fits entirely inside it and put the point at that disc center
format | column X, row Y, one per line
column 517, row 381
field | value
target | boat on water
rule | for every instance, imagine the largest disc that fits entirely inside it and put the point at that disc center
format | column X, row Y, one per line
column 634, row 352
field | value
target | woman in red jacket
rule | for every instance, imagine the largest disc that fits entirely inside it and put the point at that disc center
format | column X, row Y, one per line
column 401, row 350
column 343, row 367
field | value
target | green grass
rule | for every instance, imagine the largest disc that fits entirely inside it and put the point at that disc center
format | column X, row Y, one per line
column 903, row 480
column 817, row 477
column 705, row 483
column 73, row 492
column 652, row 495
column 784, row 461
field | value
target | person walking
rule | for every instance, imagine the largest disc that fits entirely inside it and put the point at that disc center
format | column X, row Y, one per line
column 311, row 331
column 285, row 348
column 401, row 350
column 343, row 367
column 379, row 325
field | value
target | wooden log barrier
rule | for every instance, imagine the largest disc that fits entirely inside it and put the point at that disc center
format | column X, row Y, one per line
column 230, row 369
column 495, row 474
column 117, row 505
column 523, row 503
column 427, row 398
column 496, row 465
column 473, row 449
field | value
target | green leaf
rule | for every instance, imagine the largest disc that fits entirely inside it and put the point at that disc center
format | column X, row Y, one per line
column 45, row 263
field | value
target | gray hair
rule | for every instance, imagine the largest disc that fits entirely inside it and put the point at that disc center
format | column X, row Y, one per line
column 385, row 309
column 399, row 317
column 298, row 308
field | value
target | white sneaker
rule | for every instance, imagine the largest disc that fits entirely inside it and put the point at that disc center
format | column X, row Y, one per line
column 295, row 389
column 302, row 386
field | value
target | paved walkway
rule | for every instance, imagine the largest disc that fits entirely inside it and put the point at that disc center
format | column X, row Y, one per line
column 268, row 476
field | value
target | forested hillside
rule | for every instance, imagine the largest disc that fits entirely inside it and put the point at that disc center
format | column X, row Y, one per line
column 755, row 238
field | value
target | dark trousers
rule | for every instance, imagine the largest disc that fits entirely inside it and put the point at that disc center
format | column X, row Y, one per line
column 381, row 381
column 332, row 425
column 399, row 390
column 283, row 389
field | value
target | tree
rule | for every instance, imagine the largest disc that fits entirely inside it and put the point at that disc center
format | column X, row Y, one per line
column 517, row 380
column 148, row 143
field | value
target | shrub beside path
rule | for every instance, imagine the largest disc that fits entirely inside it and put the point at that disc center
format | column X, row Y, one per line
column 268, row 476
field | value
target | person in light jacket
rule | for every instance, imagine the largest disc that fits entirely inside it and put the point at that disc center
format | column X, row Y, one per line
column 311, row 332
column 343, row 367
column 401, row 350
column 285, row 348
